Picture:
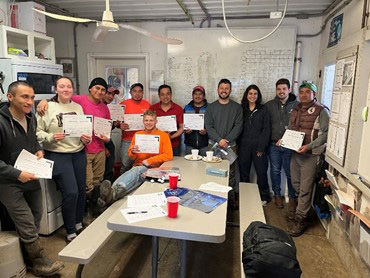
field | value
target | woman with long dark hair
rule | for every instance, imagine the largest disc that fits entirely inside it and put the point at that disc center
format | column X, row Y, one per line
column 68, row 154
column 254, row 140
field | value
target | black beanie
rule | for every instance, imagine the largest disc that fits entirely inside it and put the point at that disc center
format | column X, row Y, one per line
column 98, row 81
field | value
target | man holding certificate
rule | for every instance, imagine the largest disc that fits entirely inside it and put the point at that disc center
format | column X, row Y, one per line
column 166, row 107
column 196, row 136
column 20, row 191
column 136, row 105
column 149, row 148
column 312, row 118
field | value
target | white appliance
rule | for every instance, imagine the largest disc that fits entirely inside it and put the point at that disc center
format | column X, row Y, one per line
column 42, row 77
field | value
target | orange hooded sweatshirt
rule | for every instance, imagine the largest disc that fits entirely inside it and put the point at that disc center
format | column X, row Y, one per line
column 154, row 160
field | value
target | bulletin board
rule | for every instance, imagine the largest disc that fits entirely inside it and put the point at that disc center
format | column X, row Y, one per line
column 345, row 71
column 210, row 54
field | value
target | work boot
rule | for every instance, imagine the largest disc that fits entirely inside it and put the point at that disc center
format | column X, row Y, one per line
column 279, row 202
column 298, row 228
column 106, row 194
column 40, row 263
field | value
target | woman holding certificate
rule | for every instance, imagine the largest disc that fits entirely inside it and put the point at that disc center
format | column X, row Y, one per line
column 254, row 140
column 68, row 154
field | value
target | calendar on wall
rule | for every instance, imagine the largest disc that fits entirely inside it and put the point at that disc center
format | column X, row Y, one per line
column 341, row 108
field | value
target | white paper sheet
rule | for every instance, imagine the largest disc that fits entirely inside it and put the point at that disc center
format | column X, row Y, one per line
column 117, row 111
column 28, row 162
column 194, row 121
column 292, row 139
column 332, row 179
column 149, row 199
column 102, row 126
column 134, row 121
column 167, row 123
column 133, row 215
column 76, row 125
column 345, row 108
column 345, row 199
column 213, row 186
column 147, row 143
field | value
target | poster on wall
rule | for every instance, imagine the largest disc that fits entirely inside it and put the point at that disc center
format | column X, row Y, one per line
column 335, row 30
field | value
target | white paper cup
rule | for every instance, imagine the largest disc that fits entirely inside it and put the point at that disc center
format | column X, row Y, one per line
column 209, row 155
column 195, row 153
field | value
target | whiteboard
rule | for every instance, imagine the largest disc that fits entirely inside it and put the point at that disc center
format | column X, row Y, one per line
column 208, row 55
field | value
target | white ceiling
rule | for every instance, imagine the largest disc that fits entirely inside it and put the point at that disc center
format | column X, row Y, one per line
column 170, row 10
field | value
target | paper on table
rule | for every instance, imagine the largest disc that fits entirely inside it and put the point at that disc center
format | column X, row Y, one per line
column 345, row 198
column 134, row 121
column 41, row 168
column 102, row 126
column 76, row 125
column 147, row 143
column 292, row 139
column 194, row 121
column 212, row 186
column 149, row 199
column 167, row 123
column 133, row 215
column 116, row 111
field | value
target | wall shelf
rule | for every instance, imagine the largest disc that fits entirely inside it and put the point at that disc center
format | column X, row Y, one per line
column 35, row 46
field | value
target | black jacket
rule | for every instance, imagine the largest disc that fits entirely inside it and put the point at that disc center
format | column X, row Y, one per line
column 13, row 140
column 195, row 139
column 256, row 128
column 280, row 114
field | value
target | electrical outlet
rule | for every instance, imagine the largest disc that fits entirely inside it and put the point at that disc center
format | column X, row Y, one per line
column 276, row 14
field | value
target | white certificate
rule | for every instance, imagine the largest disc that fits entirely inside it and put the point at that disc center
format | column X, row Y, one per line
column 147, row 143
column 292, row 139
column 134, row 121
column 167, row 123
column 116, row 111
column 28, row 162
column 194, row 121
column 76, row 125
column 102, row 126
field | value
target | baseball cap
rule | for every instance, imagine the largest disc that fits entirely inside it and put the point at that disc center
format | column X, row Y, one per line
column 310, row 86
column 199, row 88
column 98, row 81
column 112, row 89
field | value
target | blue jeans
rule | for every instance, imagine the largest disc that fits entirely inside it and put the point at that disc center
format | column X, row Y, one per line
column 69, row 174
column 109, row 161
column 125, row 159
column 280, row 158
column 128, row 182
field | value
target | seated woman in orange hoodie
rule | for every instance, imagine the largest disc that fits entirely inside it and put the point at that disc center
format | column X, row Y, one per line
column 132, row 179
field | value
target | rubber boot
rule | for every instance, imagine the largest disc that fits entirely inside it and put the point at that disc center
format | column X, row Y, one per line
column 41, row 264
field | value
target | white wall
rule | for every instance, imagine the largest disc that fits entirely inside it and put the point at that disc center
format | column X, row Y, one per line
column 125, row 41
column 4, row 11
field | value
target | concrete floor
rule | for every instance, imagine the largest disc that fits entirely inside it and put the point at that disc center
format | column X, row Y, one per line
column 127, row 255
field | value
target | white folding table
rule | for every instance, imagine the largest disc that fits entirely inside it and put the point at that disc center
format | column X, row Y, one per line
column 190, row 224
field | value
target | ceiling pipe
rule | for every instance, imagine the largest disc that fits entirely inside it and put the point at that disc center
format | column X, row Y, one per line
column 183, row 7
column 55, row 8
column 365, row 14
column 344, row 4
column 208, row 16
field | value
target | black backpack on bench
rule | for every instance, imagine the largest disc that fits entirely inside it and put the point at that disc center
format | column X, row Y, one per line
column 269, row 252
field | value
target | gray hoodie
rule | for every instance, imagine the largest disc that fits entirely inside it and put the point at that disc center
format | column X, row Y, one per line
column 280, row 114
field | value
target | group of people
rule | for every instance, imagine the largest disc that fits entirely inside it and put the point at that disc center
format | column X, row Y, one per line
column 83, row 167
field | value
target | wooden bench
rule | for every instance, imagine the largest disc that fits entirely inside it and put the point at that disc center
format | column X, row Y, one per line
column 250, row 209
column 87, row 244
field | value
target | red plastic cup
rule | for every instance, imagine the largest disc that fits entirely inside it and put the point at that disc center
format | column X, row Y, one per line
column 173, row 180
column 173, row 206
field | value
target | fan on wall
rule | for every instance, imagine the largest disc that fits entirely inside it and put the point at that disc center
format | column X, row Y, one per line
column 107, row 24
